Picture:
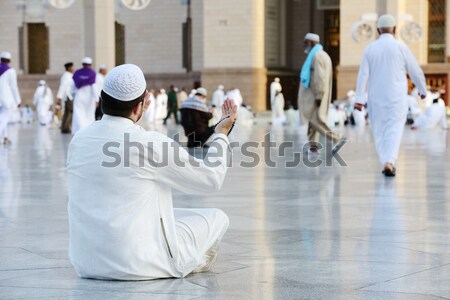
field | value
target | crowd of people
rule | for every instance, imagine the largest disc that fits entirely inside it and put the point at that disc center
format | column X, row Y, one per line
column 78, row 103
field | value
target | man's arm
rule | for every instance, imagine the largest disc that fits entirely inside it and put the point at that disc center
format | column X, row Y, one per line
column 444, row 119
column 415, row 72
column 361, row 83
column 322, row 66
column 188, row 174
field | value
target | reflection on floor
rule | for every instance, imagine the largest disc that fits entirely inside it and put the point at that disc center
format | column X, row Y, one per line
column 327, row 232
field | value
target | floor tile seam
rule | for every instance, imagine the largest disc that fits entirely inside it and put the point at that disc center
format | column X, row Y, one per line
column 415, row 243
column 336, row 260
column 94, row 290
column 403, row 293
column 403, row 276
column 48, row 268
column 35, row 253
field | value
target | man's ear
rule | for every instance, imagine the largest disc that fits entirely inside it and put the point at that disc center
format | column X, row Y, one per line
column 395, row 28
column 137, row 108
column 379, row 31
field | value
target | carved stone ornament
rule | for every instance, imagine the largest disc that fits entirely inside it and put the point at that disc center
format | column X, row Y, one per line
column 136, row 4
column 60, row 3
column 361, row 32
column 411, row 32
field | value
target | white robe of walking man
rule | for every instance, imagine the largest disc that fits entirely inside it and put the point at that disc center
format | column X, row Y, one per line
column 382, row 73
column 43, row 100
column 9, row 94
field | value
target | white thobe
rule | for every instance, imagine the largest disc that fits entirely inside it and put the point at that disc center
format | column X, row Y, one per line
column 149, row 115
column 434, row 115
column 9, row 99
column 182, row 95
column 160, row 107
column 84, row 105
column 43, row 100
column 65, row 85
column 122, row 221
column 383, row 72
column 277, row 103
column 236, row 96
column 99, row 81
column 413, row 105
column 217, row 99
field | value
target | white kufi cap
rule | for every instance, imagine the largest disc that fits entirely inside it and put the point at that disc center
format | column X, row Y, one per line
column 5, row 55
column 102, row 67
column 125, row 82
column 87, row 61
column 42, row 82
column 386, row 21
column 201, row 91
column 312, row 37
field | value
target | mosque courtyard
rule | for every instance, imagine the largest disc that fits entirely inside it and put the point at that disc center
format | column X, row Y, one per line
column 340, row 230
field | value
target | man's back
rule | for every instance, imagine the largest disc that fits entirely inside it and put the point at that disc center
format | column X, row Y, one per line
column 172, row 100
column 383, row 70
column 9, row 96
column 387, row 65
column 120, row 202
column 110, row 231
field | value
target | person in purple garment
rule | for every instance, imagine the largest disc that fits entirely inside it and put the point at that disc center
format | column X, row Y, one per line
column 9, row 94
column 86, row 95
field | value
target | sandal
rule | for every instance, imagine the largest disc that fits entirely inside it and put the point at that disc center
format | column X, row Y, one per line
column 389, row 172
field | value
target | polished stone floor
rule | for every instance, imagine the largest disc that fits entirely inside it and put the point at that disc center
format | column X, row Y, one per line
column 327, row 232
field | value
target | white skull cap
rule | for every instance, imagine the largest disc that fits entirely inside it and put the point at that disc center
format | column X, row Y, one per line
column 386, row 21
column 5, row 55
column 201, row 91
column 87, row 60
column 312, row 37
column 125, row 82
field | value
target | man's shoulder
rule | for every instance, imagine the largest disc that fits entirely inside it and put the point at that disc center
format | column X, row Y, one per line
column 10, row 72
column 322, row 55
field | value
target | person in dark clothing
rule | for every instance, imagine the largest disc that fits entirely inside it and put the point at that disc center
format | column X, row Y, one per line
column 172, row 104
column 195, row 116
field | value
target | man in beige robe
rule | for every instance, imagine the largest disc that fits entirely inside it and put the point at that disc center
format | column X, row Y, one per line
column 314, row 95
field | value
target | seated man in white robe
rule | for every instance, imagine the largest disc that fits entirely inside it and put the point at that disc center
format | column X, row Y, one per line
column 434, row 116
column 121, row 216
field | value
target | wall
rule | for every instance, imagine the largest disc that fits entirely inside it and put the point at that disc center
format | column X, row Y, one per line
column 234, row 48
column 153, row 36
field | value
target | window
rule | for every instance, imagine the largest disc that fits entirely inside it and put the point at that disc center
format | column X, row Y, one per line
column 436, row 31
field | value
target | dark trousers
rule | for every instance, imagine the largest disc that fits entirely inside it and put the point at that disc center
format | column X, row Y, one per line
column 98, row 110
column 169, row 113
column 66, row 124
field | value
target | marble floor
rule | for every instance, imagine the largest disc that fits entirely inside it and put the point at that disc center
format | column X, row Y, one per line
column 336, row 231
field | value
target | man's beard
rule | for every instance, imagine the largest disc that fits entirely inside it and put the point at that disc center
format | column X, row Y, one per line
column 307, row 49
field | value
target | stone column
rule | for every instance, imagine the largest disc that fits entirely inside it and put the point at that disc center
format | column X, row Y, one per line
column 99, row 32
column 447, row 30
column 350, row 51
column 234, row 49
